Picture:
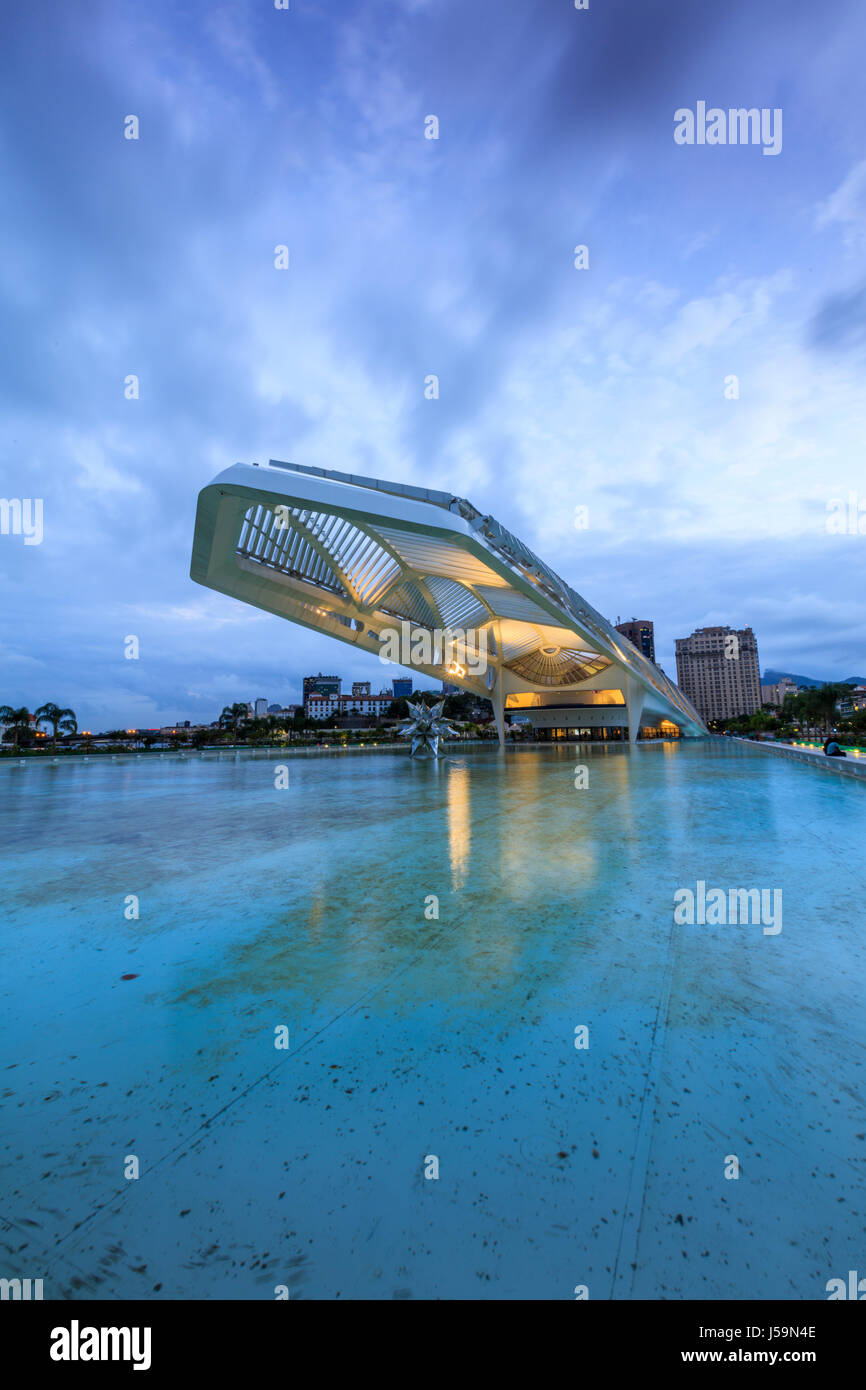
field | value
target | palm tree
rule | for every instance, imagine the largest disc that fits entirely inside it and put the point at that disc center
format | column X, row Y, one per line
column 62, row 719
column 816, row 707
column 16, row 719
column 232, row 717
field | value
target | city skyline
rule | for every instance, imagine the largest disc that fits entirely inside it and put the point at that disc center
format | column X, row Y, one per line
column 607, row 388
column 296, row 696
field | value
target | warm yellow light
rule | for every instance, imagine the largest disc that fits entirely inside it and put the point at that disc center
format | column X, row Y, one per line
column 530, row 699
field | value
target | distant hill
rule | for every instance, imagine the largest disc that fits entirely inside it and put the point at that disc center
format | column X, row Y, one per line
column 773, row 678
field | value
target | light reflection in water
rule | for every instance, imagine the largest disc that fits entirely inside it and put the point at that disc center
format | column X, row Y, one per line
column 459, row 828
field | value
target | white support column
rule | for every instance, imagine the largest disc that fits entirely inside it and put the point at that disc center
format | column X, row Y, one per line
column 497, row 690
column 497, row 696
column 635, row 695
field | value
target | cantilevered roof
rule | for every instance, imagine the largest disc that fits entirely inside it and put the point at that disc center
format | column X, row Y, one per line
column 354, row 556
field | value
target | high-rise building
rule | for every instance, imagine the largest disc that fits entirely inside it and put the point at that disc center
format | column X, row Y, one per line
column 402, row 687
column 717, row 669
column 360, row 687
column 639, row 632
column 261, row 708
column 321, row 685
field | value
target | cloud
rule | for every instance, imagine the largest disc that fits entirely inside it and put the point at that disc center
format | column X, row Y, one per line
column 228, row 26
column 412, row 257
column 847, row 206
column 840, row 323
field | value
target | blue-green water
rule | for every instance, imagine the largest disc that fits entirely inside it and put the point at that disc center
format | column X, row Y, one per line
column 413, row 1037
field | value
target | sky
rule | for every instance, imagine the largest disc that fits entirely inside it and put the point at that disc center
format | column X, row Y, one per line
column 606, row 387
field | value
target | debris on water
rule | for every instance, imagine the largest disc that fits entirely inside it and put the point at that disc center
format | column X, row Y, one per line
column 129, row 977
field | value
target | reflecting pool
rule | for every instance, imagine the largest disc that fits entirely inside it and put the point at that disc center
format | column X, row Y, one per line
column 509, row 1073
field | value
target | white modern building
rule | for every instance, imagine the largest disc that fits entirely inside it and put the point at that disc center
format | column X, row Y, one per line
column 383, row 565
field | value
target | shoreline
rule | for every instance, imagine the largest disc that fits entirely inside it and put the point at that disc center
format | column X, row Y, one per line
column 451, row 745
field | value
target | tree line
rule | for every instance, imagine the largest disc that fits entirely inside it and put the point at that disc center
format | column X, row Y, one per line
column 21, row 726
column 811, row 709
column 236, row 722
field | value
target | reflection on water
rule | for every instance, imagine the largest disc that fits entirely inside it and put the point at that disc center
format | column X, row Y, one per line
column 459, row 828
column 305, row 908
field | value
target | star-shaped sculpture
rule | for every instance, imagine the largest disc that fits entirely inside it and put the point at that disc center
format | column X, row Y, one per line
column 426, row 726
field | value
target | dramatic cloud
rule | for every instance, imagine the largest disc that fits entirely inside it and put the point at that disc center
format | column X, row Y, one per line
column 609, row 387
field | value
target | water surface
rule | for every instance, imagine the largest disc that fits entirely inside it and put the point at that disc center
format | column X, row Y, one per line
column 413, row 1036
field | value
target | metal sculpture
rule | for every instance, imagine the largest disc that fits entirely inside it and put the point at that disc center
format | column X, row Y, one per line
column 426, row 726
